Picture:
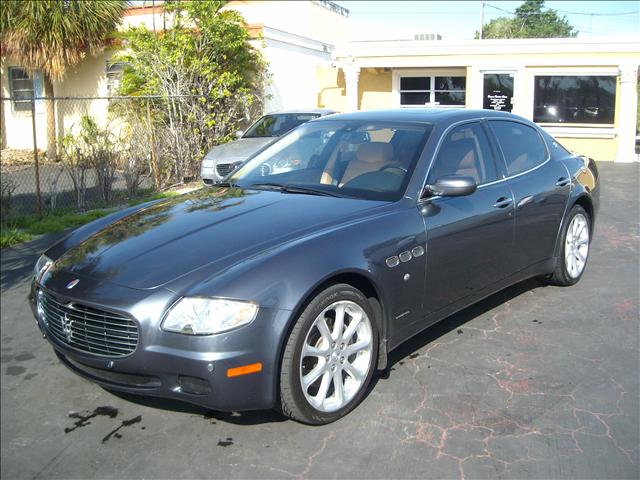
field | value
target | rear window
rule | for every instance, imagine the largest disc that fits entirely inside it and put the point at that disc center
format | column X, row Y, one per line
column 521, row 145
column 277, row 125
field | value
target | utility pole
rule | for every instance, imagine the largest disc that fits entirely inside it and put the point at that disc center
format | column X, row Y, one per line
column 481, row 18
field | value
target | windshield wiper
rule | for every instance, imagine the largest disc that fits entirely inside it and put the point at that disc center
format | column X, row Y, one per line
column 285, row 188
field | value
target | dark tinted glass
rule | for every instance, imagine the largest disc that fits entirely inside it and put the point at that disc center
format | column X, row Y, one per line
column 414, row 98
column 574, row 99
column 521, row 145
column 451, row 83
column 450, row 98
column 278, row 124
column 415, row 83
column 465, row 151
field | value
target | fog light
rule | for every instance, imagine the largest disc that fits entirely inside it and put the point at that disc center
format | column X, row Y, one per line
column 193, row 385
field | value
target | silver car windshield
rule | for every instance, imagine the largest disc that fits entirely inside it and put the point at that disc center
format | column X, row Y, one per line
column 278, row 124
column 371, row 161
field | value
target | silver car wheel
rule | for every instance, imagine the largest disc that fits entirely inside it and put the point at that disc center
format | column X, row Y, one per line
column 336, row 356
column 576, row 245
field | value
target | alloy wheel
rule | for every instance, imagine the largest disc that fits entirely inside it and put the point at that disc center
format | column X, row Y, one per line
column 576, row 245
column 336, row 356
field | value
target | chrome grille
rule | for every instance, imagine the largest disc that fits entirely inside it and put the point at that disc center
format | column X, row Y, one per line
column 88, row 329
column 223, row 169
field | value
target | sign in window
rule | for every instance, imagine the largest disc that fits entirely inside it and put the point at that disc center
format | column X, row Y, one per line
column 498, row 92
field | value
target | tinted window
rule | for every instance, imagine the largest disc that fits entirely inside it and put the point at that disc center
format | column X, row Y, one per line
column 278, row 124
column 366, row 160
column 465, row 151
column 521, row 145
column 574, row 99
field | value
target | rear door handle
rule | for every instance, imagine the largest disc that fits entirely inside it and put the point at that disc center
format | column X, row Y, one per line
column 563, row 182
column 503, row 202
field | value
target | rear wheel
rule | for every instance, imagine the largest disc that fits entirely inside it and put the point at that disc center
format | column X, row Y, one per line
column 574, row 250
column 330, row 356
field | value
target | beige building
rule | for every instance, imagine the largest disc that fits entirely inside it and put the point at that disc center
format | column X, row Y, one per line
column 295, row 37
column 582, row 91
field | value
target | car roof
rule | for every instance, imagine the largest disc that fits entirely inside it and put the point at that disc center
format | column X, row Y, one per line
column 321, row 111
column 421, row 115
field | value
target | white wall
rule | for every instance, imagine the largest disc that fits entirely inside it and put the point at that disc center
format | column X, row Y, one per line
column 292, row 67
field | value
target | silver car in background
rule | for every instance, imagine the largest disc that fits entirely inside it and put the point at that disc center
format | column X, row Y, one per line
column 223, row 159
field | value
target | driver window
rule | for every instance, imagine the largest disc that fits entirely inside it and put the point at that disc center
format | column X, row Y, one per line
column 465, row 151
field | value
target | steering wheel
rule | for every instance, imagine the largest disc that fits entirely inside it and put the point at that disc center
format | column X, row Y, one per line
column 393, row 166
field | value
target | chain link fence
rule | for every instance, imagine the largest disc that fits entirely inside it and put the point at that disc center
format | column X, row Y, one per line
column 82, row 153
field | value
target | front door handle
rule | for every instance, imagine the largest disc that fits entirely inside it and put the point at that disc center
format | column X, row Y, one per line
column 563, row 182
column 503, row 202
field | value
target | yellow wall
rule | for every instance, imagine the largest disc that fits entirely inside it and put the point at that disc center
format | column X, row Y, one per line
column 88, row 79
column 596, row 148
column 374, row 89
column 331, row 89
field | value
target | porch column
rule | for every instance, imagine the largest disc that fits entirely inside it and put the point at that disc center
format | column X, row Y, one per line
column 351, row 76
column 627, row 114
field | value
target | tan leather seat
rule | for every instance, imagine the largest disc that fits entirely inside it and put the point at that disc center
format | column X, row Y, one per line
column 457, row 158
column 370, row 157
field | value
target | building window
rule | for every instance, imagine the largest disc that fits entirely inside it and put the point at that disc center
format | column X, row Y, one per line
column 21, row 89
column 113, row 72
column 588, row 99
column 446, row 91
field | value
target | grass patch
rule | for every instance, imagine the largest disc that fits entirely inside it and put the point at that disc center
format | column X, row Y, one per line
column 23, row 228
column 53, row 223
column 12, row 236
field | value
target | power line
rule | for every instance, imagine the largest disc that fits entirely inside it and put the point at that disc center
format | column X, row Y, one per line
column 417, row 12
column 551, row 10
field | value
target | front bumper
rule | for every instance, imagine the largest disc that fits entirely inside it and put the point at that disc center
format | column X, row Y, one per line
column 172, row 365
column 209, row 175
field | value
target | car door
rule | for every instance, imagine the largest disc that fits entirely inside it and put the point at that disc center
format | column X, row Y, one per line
column 469, row 238
column 540, row 186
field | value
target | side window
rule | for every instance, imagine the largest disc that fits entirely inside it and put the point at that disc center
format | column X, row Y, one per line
column 465, row 151
column 521, row 145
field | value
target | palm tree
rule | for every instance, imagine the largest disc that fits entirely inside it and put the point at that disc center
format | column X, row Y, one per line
column 53, row 35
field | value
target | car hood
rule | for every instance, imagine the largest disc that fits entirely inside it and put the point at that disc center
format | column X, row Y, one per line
column 169, row 239
column 238, row 149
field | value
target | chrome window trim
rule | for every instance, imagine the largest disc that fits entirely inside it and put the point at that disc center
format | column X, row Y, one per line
column 507, row 176
column 535, row 129
column 437, row 151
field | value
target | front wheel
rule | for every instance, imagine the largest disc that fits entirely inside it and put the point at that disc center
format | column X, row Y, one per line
column 574, row 249
column 329, row 357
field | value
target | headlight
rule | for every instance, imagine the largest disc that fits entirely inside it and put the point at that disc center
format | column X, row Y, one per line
column 205, row 316
column 42, row 265
column 208, row 162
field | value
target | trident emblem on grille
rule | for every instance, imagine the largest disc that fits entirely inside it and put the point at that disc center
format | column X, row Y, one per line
column 67, row 323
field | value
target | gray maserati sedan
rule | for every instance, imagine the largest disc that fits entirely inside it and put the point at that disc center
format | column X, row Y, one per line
column 288, row 288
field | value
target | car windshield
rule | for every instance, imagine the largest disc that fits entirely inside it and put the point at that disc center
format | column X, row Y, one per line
column 365, row 160
column 278, row 124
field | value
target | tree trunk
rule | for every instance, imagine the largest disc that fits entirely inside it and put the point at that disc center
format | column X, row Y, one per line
column 51, row 118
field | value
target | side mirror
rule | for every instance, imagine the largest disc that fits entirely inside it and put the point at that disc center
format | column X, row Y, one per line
column 451, row 186
column 239, row 134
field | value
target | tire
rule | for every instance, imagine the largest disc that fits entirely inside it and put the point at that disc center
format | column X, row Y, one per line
column 327, row 362
column 574, row 248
